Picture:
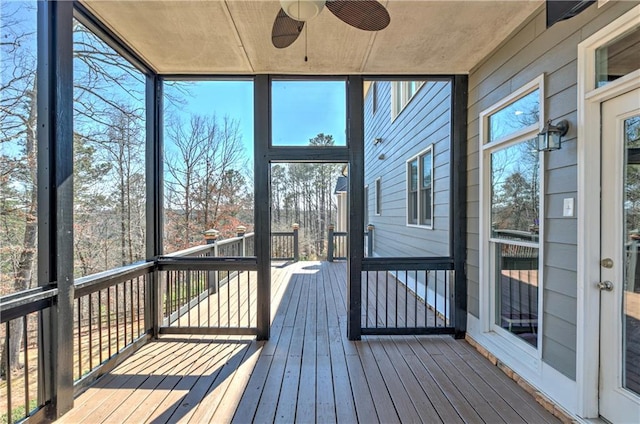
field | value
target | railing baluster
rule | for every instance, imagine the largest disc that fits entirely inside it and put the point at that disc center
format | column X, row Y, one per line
column 25, row 338
column 7, row 341
column 90, row 331
column 100, row 323
column 109, row 318
column 228, row 299
column 117, row 320
column 79, row 338
column 131, row 308
column 415, row 298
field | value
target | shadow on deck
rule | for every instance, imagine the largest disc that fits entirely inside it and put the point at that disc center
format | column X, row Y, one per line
column 307, row 372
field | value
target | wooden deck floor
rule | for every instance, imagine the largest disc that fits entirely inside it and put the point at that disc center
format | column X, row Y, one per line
column 307, row 372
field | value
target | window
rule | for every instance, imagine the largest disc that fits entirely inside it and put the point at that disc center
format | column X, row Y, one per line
column 366, row 205
column 510, row 188
column 374, row 95
column 419, row 189
column 401, row 93
column 378, row 197
column 615, row 59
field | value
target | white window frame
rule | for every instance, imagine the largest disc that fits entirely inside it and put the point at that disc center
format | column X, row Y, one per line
column 418, row 158
column 401, row 93
column 487, row 254
column 366, row 205
column 377, row 205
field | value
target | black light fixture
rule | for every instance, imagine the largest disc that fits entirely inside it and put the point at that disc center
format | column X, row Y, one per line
column 550, row 138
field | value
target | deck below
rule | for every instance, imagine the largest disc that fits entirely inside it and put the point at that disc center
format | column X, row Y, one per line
column 307, row 372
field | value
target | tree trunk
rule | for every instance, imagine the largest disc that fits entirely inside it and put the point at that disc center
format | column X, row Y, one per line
column 23, row 274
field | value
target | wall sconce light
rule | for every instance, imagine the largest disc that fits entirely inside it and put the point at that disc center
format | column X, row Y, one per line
column 377, row 141
column 550, row 138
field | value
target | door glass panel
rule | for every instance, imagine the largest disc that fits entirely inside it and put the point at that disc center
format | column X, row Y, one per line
column 631, row 293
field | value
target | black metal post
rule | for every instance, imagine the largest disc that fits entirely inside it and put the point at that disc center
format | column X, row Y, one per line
column 262, row 216
column 155, row 190
column 330, row 230
column 55, row 200
column 458, row 202
column 355, row 131
column 370, row 231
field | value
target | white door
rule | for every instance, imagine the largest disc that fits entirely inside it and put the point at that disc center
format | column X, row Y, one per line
column 620, row 250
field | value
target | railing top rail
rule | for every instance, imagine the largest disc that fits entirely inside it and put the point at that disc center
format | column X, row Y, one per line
column 282, row 233
column 408, row 263
column 95, row 282
column 195, row 250
column 26, row 302
column 230, row 263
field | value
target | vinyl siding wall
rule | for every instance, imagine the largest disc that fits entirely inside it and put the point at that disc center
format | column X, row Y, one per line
column 529, row 52
column 425, row 120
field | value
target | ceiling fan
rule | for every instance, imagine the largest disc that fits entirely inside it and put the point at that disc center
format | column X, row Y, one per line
column 368, row 15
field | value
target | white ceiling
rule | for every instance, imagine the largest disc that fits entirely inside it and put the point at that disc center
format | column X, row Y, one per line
column 234, row 36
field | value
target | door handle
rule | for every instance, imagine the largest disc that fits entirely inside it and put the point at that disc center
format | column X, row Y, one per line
column 605, row 285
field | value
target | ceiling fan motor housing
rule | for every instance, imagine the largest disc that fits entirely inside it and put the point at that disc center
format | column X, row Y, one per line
column 302, row 10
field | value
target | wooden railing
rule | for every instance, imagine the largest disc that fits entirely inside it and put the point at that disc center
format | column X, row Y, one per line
column 285, row 245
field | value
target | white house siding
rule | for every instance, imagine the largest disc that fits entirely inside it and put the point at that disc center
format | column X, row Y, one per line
column 424, row 121
column 531, row 51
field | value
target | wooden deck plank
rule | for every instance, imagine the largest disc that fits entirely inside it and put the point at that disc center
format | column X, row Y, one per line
column 418, row 397
column 271, row 390
column 287, row 401
column 325, row 411
column 401, row 399
column 498, row 380
column 306, row 395
column 385, row 409
column 307, row 372
column 451, row 392
column 470, row 393
column 445, row 410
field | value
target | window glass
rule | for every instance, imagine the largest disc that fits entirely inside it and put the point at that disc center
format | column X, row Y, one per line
column 517, row 290
column 425, row 190
column 402, row 93
column 618, row 58
column 518, row 115
column 18, row 146
column 378, row 197
column 304, row 110
column 515, row 192
column 109, row 156
column 413, row 192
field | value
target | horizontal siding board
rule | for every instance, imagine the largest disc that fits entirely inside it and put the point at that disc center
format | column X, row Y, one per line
column 560, row 281
column 560, row 306
column 559, row 330
column 562, row 256
column 561, row 230
column 559, row 356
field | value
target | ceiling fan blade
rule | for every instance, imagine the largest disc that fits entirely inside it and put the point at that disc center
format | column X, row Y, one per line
column 285, row 30
column 368, row 15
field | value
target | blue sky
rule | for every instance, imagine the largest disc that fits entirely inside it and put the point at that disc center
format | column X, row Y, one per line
column 301, row 109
